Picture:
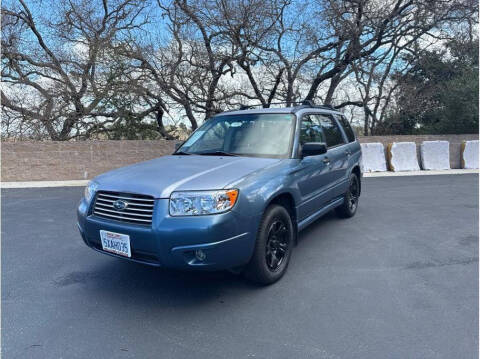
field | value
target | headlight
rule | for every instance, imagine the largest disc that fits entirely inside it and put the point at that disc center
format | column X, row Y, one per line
column 196, row 203
column 90, row 190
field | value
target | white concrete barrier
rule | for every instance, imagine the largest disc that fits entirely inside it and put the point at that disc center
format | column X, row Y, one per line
column 470, row 154
column 402, row 156
column 435, row 155
column 373, row 157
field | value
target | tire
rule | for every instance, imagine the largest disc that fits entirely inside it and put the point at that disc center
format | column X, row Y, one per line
column 273, row 248
column 349, row 206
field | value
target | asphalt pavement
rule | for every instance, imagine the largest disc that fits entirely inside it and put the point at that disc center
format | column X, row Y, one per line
column 399, row 280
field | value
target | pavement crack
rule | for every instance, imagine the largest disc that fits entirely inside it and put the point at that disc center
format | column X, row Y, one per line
column 431, row 264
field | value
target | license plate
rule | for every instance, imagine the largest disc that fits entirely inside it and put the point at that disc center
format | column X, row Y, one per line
column 116, row 243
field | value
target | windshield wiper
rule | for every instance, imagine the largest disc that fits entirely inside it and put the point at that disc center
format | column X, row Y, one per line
column 181, row 153
column 216, row 153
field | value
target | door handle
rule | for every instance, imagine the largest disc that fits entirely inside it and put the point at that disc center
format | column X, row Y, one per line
column 348, row 153
column 326, row 160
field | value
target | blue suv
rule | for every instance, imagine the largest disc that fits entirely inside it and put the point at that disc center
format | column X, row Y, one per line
column 233, row 196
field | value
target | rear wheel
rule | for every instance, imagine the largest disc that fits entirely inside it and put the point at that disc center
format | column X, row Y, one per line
column 350, row 204
column 273, row 247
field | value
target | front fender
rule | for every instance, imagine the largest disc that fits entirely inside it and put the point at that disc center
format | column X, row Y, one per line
column 258, row 196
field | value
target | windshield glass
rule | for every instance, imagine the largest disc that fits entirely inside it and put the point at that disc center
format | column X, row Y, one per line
column 262, row 135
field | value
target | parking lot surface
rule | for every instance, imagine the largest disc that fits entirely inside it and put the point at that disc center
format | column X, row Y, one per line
column 399, row 280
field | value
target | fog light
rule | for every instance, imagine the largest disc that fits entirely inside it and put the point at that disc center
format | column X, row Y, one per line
column 200, row 255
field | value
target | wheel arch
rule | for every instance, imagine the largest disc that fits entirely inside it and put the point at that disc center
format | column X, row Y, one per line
column 356, row 170
column 287, row 200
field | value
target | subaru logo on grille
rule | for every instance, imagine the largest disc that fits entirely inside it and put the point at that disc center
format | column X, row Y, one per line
column 120, row 205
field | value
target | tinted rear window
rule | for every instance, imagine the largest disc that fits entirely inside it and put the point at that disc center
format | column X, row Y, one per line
column 332, row 133
column 347, row 128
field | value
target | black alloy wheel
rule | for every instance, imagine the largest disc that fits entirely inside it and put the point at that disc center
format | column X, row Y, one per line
column 273, row 247
column 350, row 204
column 277, row 244
column 353, row 194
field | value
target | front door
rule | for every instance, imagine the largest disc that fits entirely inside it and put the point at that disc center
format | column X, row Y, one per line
column 313, row 173
column 319, row 177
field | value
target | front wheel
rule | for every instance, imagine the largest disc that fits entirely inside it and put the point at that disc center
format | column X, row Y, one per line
column 273, row 247
column 350, row 203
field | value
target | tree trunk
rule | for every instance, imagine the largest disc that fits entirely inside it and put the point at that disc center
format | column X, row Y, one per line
column 365, row 125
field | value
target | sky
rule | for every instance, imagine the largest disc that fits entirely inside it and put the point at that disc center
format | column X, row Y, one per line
column 157, row 29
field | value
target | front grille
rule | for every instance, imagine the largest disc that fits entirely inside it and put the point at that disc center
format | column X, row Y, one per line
column 139, row 208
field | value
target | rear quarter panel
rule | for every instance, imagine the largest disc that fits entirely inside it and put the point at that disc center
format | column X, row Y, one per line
column 356, row 157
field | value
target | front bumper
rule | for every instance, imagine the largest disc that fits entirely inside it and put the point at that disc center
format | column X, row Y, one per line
column 227, row 239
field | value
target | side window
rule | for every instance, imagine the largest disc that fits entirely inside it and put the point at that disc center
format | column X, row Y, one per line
column 311, row 130
column 347, row 128
column 333, row 135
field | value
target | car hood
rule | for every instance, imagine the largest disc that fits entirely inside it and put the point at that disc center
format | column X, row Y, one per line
column 161, row 176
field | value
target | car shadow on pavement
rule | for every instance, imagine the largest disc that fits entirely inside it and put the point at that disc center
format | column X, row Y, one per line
column 326, row 220
column 118, row 280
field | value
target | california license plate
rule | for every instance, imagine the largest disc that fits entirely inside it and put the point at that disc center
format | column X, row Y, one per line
column 116, row 243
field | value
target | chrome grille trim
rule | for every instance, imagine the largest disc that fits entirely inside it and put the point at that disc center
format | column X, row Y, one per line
column 133, row 209
column 114, row 211
column 130, row 204
column 139, row 207
column 122, row 218
column 103, row 194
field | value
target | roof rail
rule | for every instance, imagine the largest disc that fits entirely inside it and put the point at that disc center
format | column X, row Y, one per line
column 309, row 103
column 304, row 103
column 328, row 107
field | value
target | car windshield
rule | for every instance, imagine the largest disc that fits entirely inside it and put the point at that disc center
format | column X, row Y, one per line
column 259, row 135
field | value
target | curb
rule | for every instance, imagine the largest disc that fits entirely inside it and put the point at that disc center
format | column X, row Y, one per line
column 80, row 183
column 420, row 173
column 41, row 184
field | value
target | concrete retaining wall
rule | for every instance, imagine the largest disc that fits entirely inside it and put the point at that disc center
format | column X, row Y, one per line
column 470, row 154
column 401, row 156
column 41, row 161
column 373, row 157
column 454, row 140
column 435, row 155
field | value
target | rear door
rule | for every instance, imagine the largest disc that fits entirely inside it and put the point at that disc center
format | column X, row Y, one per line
column 353, row 147
column 336, row 156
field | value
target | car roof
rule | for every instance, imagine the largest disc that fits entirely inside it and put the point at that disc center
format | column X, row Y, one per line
column 294, row 109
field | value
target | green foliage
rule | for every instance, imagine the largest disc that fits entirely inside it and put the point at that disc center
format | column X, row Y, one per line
column 133, row 130
column 439, row 94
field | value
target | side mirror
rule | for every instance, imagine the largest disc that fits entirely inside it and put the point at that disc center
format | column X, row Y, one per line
column 313, row 149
